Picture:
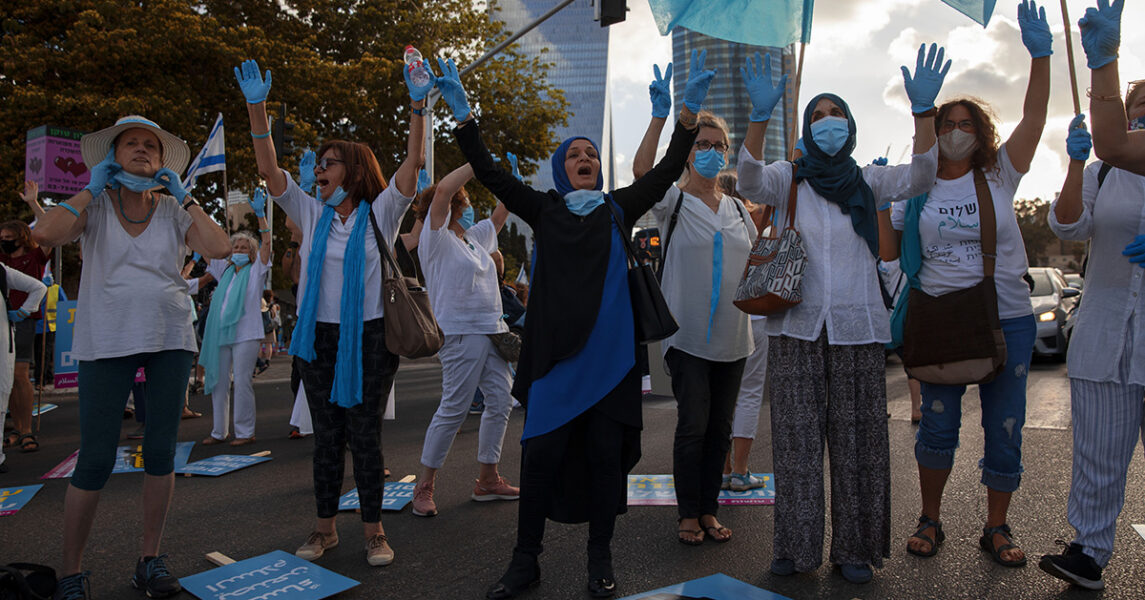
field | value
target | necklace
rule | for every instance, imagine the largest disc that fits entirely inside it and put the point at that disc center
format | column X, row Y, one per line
column 119, row 196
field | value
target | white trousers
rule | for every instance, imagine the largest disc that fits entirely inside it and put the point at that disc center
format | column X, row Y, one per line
column 1108, row 418
column 469, row 361
column 241, row 357
column 750, row 398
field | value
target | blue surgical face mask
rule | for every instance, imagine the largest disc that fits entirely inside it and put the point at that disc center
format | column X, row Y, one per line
column 830, row 134
column 240, row 259
column 336, row 198
column 135, row 183
column 709, row 163
column 466, row 218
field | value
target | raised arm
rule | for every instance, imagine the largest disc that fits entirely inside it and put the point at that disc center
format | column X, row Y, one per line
column 411, row 238
column 406, row 175
column 764, row 98
column 1101, row 39
column 1068, row 206
column 255, row 89
column 442, row 197
column 30, row 196
column 661, row 94
column 1037, row 38
column 499, row 216
column 257, row 204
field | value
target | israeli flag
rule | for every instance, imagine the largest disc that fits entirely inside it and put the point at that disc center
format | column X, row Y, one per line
column 211, row 158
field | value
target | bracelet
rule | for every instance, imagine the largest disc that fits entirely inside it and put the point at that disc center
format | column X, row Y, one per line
column 264, row 230
column 259, row 136
column 70, row 209
column 417, row 111
column 1089, row 94
column 930, row 112
column 190, row 201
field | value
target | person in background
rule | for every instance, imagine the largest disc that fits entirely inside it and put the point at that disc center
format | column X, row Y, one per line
column 1113, row 140
column 12, row 280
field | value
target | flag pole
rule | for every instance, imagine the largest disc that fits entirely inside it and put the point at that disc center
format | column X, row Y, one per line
column 793, row 136
column 1069, row 56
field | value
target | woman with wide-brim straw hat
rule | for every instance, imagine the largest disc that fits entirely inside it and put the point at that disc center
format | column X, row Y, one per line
column 133, row 312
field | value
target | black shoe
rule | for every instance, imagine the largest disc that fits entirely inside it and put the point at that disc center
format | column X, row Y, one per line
column 73, row 587
column 1074, row 566
column 604, row 587
column 517, row 579
column 153, row 577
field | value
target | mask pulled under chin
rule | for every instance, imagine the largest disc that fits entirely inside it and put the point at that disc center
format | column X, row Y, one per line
column 136, row 183
column 957, row 144
column 466, row 220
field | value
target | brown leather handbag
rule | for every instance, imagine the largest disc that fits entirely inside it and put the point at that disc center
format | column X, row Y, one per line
column 411, row 329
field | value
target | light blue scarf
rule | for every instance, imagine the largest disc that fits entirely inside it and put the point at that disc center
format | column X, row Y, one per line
column 717, row 278
column 221, row 325
column 347, row 391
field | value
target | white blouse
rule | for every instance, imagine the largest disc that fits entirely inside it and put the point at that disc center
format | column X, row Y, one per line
column 840, row 279
column 1114, row 300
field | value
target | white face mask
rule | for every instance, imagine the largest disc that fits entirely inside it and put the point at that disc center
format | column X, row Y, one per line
column 957, row 144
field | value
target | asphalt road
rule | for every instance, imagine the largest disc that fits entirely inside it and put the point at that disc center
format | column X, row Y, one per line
column 457, row 554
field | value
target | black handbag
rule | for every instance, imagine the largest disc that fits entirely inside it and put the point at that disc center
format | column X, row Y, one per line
column 650, row 313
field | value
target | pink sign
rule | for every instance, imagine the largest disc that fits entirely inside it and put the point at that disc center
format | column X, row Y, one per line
column 52, row 159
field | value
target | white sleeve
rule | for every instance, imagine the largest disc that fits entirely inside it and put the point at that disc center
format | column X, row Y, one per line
column 760, row 183
column 216, row 267
column 898, row 215
column 26, row 283
column 388, row 208
column 484, row 234
column 1009, row 176
column 1081, row 229
column 192, row 285
column 903, row 182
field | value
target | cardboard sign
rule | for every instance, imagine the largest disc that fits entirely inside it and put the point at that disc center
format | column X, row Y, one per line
column 220, row 465
column 712, row 587
column 128, row 459
column 14, row 498
column 277, row 575
column 67, row 368
column 395, row 496
column 660, row 490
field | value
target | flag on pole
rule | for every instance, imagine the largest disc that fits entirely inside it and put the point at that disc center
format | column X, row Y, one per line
column 979, row 10
column 211, row 158
column 755, row 22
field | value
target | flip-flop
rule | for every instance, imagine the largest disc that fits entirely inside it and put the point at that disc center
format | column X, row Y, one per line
column 714, row 532
column 697, row 535
column 28, row 443
column 987, row 544
column 924, row 523
column 190, row 414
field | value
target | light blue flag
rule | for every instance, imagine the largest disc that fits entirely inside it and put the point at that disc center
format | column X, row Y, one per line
column 979, row 10
column 755, row 22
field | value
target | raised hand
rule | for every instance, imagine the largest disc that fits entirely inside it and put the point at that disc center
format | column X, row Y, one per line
column 1035, row 30
column 660, row 91
column 513, row 157
column 418, row 92
column 880, row 161
column 306, row 176
column 257, row 203
column 1078, row 142
column 31, row 192
column 168, row 179
column 451, row 90
column 102, row 173
column 757, row 80
column 422, row 180
column 929, row 73
column 699, row 80
column 1101, row 32
column 251, row 82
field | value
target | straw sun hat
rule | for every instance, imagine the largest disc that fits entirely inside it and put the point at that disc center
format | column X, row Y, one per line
column 94, row 146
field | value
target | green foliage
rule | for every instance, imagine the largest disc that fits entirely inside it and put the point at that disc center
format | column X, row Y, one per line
column 1033, row 221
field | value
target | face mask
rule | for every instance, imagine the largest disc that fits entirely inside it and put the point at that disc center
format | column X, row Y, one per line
column 336, row 198
column 1138, row 123
column 240, row 260
column 466, row 219
column 709, row 163
column 957, row 144
column 830, row 134
column 135, row 183
column 9, row 246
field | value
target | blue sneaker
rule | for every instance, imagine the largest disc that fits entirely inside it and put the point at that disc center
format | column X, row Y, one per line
column 153, row 577
column 742, row 482
column 73, row 587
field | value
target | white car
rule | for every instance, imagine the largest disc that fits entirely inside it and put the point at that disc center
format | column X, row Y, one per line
column 1053, row 302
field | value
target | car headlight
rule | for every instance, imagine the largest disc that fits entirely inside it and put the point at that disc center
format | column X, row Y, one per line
column 1047, row 316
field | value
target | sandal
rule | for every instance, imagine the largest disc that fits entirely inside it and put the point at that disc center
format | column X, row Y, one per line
column 924, row 523
column 987, row 544
column 191, row 414
column 28, row 443
column 717, row 533
column 697, row 536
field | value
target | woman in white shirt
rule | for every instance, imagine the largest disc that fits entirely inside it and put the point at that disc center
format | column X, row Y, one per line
column 234, row 329
column 711, row 234
column 825, row 354
column 14, row 280
column 340, row 335
column 1104, row 206
column 464, row 291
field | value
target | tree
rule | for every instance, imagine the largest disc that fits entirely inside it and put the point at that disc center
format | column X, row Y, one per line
column 1033, row 222
column 336, row 63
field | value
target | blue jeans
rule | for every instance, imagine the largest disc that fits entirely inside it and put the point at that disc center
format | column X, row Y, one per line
column 1003, row 414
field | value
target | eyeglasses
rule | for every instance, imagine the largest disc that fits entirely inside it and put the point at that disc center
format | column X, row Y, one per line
column 705, row 145
column 965, row 125
column 324, row 162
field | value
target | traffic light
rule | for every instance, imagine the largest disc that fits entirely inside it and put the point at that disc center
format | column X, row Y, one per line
column 609, row 12
column 287, row 138
column 282, row 133
column 276, row 133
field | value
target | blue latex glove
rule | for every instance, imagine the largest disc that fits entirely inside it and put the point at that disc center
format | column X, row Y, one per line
column 257, row 203
column 1136, row 251
column 451, row 90
column 699, row 80
column 1078, row 142
column 306, row 177
column 513, row 157
column 419, row 93
column 800, row 147
column 195, row 257
column 47, row 279
column 880, row 161
column 929, row 73
column 1035, row 30
column 757, row 80
column 102, row 173
column 660, row 91
column 422, row 180
column 15, row 316
column 1101, row 32
column 168, row 179
column 251, row 83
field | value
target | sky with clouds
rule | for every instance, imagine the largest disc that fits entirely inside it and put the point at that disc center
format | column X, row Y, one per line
column 856, row 49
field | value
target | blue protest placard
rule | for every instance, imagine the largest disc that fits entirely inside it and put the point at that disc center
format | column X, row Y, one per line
column 277, row 575
column 220, row 465
column 660, row 490
column 43, row 408
column 712, row 587
column 12, row 499
column 128, row 459
column 395, row 497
